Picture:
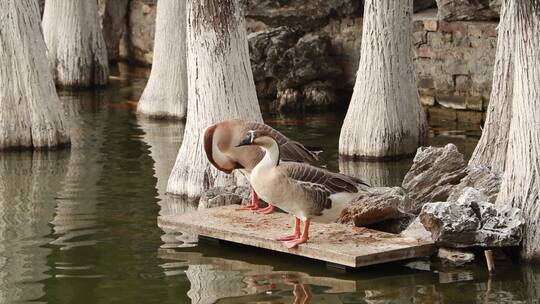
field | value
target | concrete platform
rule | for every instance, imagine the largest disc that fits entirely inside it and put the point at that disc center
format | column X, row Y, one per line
column 332, row 243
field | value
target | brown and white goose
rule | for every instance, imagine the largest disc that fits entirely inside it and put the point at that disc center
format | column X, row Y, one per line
column 299, row 189
column 221, row 139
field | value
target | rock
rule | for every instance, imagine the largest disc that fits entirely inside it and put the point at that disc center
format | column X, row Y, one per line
column 434, row 174
column 455, row 257
column 138, row 44
column 293, row 69
column 223, row 196
column 480, row 178
column 472, row 221
column 452, row 10
column 378, row 205
column 417, row 231
column 301, row 13
column 423, row 4
column 114, row 19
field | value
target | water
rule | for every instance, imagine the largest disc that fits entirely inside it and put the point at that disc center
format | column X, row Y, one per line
column 79, row 226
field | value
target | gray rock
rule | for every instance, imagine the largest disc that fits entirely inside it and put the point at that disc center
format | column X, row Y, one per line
column 381, row 206
column 292, row 69
column 301, row 13
column 452, row 10
column 114, row 20
column 455, row 257
column 423, row 4
column 434, row 174
column 223, row 196
column 138, row 44
column 472, row 221
column 480, row 178
column 417, row 231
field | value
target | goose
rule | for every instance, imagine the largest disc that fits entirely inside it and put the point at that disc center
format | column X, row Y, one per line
column 220, row 142
column 300, row 189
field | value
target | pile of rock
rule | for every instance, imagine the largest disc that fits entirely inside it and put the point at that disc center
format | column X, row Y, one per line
column 452, row 10
column 293, row 70
column 444, row 197
column 472, row 221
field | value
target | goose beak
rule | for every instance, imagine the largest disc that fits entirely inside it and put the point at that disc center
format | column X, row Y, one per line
column 248, row 140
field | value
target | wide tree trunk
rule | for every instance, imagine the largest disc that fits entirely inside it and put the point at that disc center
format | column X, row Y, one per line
column 165, row 94
column 220, row 87
column 31, row 115
column 77, row 50
column 492, row 147
column 385, row 118
column 521, row 180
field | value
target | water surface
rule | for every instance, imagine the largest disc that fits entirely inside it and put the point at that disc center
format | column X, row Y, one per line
column 79, row 226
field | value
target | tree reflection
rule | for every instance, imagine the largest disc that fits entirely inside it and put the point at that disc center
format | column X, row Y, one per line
column 377, row 174
column 29, row 184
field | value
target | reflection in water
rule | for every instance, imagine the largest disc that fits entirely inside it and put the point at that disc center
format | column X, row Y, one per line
column 377, row 174
column 223, row 280
column 28, row 184
column 75, row 219
column 164, row 139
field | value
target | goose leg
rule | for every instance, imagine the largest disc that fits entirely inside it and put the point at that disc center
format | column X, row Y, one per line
column 266, row 210
column 254, row 202
column 296, row 232
column 303, row 239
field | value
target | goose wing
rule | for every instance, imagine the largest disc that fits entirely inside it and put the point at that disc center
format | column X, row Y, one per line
column 290, row 150
column 318, row 184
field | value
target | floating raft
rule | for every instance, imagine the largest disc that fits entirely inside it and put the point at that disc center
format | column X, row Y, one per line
column 336, row 244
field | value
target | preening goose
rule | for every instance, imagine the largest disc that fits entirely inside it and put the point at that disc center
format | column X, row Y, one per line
column 221, row 139
column 300, row 189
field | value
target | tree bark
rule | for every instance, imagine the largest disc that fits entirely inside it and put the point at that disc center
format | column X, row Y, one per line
column 521, row 180
column 165, row 94
column 220, row 86
column 31, row 115
column 492, row 147
column 385, row 118
column 77, row 50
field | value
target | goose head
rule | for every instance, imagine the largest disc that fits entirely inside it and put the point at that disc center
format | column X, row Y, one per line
column 258, row 138
column 265, row 141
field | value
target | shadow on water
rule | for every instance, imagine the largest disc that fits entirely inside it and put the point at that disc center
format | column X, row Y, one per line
column 79, row 226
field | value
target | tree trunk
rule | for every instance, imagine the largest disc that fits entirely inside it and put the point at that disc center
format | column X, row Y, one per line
column 77, row 51
column 31, row 115
column 165, row 94
column 521, row 180
column 492, row 147
column 385, row 119
column 220, row 87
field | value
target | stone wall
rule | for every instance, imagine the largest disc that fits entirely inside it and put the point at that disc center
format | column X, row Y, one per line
column 454, row 59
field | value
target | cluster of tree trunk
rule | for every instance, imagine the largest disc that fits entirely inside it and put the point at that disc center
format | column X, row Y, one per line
column 510, row 142
column 202, row 71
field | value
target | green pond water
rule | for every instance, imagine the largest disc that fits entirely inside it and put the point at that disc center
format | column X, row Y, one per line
column 79, row 225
